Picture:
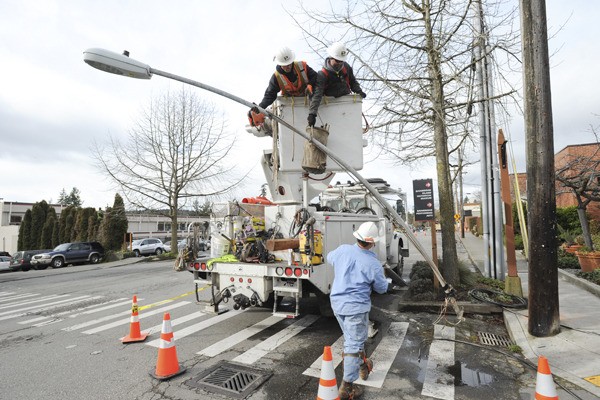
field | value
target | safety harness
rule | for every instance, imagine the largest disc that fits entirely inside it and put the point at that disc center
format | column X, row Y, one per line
column 289, row 88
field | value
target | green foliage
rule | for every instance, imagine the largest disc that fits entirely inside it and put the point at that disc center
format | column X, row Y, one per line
column 494, row 283
column 568, row 219
column 519, row 242
column 513, row 348
column 25, row 231
column 567, row 260
column 593, row 276
column 114, row 225
column 46, row 237
column 39, row 212
column 515, row 215
column 72, row 199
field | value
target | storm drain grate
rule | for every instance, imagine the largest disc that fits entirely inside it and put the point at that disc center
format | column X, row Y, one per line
column 492, row 339
column 230, row 379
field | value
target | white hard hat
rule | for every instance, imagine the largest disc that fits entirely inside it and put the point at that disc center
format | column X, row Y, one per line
column 285, row 56
column 338, row 50
column 367, row 232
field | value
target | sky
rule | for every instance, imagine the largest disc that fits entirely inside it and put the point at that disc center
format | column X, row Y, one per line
column 53, row 106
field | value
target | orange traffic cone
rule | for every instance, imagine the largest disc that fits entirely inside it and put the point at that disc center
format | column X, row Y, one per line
column 167, row 365
column 134, row 326
column 328, row 389
column 544, row 385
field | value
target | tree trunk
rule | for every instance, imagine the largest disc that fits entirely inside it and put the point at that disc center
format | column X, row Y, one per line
column 449, row 254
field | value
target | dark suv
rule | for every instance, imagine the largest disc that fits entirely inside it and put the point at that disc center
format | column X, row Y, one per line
column 21, row 260
column 69, row 253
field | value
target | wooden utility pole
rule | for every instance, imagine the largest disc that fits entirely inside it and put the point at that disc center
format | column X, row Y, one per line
column 544, row 319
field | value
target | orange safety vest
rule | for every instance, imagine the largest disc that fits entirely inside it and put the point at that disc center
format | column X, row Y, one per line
column 293, row 89
column 344, row 72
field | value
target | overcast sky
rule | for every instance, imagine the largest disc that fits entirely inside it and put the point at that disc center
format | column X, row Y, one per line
column 53, row 105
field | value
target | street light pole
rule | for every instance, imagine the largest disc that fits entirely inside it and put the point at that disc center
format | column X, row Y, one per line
column 118, row 64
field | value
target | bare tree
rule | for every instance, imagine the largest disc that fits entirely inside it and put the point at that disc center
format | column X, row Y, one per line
column 176, row 151
column 416, row 60
column 580, row 175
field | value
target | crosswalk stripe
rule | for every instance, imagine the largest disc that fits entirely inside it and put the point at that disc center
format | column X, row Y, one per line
column 179, row 334
column 336, row 352
column 142, row 316
column 23, row 303
column 56, row 317
column 271, row 343
column 240, row 336
column 18, row 296
column 438, row 383
column 384, row 354
column 115, row 303
column 175, row 322
column 42, row 307
column 5, row 293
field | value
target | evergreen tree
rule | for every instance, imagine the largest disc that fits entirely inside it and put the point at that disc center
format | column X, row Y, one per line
column 114, row 225
column 38, row 219
column 55, row 233
column 25, row 231
column 46, row 236
column 70, row 225
column 71, row 199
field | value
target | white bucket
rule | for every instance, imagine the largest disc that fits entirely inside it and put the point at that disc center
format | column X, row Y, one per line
column 219, row 246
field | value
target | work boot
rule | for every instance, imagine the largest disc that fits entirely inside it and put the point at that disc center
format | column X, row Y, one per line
column 349, row 391
column 365, row 369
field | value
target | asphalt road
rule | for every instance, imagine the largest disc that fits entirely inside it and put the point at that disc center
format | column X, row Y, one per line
column 60, row 331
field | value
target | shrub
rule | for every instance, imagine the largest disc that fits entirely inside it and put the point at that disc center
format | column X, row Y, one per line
column 567, row 260
column 593, row 276
column 519, row 242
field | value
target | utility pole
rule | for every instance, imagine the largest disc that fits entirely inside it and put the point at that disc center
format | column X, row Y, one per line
column 544, row 319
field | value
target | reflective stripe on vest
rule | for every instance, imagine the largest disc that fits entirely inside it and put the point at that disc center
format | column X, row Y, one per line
column 290, row 89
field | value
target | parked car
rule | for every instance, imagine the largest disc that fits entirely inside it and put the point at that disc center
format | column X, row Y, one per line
column 4, row 253
column 146, row 247
column 180, row 245
column 69, row 253
column 4, row 263
column 21, row 260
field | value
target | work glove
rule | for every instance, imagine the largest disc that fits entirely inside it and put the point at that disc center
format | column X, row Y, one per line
column 362, row 94
column 312, row 119
column 309, row 90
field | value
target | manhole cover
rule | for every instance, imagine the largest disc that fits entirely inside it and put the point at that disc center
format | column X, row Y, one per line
column 492, row 339
column 233, row 380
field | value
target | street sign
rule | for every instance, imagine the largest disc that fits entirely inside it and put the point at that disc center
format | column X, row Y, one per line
column 423, row 197
column 457, row 217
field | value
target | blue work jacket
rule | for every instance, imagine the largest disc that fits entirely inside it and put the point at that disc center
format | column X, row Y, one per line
column 357, row 272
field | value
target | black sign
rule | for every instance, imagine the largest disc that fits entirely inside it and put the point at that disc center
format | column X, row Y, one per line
column 423, row 196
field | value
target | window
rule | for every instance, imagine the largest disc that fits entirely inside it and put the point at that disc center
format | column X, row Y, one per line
column 164, row 226
column 15, row 220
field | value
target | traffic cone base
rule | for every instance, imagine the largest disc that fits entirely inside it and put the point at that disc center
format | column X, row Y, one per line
column 134, row 326
column 544, row 385
column 327, row 383
column 167, row 365
column 181, row 370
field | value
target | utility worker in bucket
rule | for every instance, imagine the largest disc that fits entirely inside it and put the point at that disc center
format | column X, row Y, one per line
column 292, row 78
column 357, row 272
column 335, row 79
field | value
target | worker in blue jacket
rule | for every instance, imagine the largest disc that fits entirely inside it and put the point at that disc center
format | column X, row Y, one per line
column 357, row 272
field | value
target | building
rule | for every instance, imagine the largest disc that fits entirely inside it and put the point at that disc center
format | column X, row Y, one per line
column 567, row 158
column 141, row 224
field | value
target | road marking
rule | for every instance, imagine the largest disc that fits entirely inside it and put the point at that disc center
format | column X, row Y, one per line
column 6, row 293
column 18, row 296
column 38, row 300
column 438, row 382
column 160, row 303
column 384, row 354
column 54, row 318
column 336, row 352
column 175, row 322
column 207, row 323
column 272, row 342
column 242, row 335
column 141, row 316
column 44, row 307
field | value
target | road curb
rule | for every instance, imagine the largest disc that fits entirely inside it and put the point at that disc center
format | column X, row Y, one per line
column 579, row 282
column 434, row 307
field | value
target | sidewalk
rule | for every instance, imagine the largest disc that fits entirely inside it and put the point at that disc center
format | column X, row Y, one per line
column 574, row 353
